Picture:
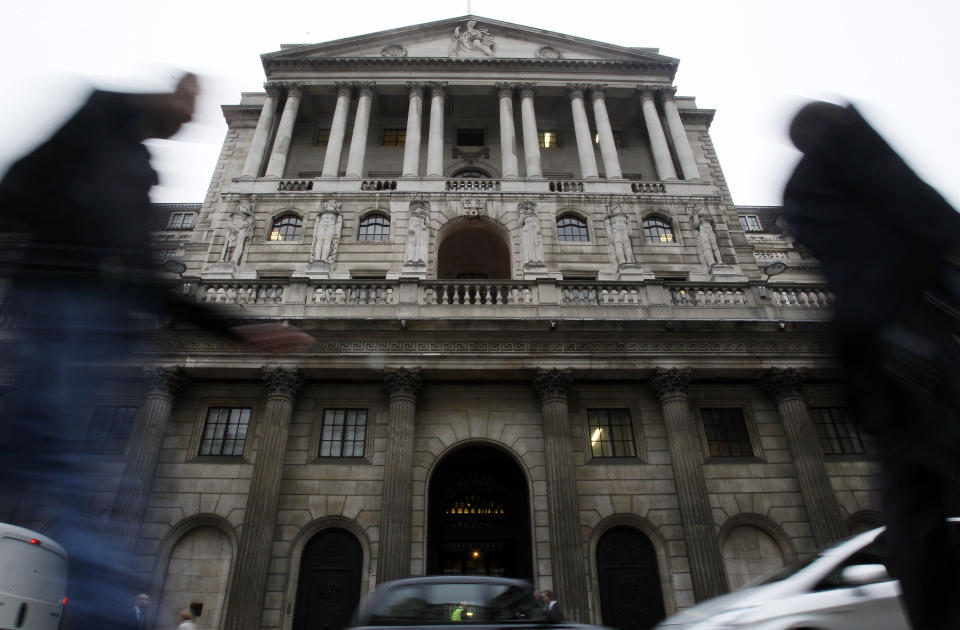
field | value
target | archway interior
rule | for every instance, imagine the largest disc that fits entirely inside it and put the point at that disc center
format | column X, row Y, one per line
column 473, row 249
column 479, row 520
column 631, row 597
column 328, row 590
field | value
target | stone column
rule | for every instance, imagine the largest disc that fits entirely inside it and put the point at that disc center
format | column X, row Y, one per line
column 531, row 139
column 508, row 135
column 435, row 141
column 361, row 125
column 588, row 160
column 608, row 148
column 261, row 135
column 707, row 571
column 411, row 147
column 281, row 145
column 396, row 516
column 146, row 438
column 688, row 166
column 658, row 141
column 566, row 542
column 818, row 496
column 338, row 131
column 248, row 588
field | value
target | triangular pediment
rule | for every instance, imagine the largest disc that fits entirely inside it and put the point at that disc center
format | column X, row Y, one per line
column 468, row 37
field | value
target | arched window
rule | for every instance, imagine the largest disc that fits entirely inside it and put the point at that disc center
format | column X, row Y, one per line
column 657, row 230
column 374, row 227
column 286, row 228
column 572, row 228
column 471, row 173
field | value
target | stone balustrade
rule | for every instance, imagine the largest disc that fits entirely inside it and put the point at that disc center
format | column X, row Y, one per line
column 242, row 293
column 295, row 185
column 348, row 293
column 708, row 295
column 602, row 294
column 562, row 186
column 473, row 185
column 647, row 187
column 378, row 184
column 812, row 297
column 485, row 292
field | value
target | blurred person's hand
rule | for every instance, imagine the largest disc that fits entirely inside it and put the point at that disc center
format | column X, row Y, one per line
column 163, row 114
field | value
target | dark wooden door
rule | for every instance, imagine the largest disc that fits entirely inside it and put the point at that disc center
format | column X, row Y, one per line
column 329, row 588
column 630, row 593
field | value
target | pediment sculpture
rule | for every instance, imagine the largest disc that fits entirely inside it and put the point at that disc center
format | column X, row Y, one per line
column 471, row 39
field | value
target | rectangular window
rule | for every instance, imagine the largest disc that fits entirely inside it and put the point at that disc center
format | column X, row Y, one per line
column 394, row 137
column 611, row 433
column 322, row 136
column 225, row 432
column 469, row 137
column 344, row 433
column 548, row 139
column 726, row 432
column 617, row 139
column 750, row 223
column 181, row 221
column 837, row 432
column 109, row 429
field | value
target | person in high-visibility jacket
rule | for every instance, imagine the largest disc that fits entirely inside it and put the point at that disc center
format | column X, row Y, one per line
column 457, row 614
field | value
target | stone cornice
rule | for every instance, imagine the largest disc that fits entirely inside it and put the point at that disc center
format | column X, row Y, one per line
column 392, row 64
column 697, row 116
column 241, row 113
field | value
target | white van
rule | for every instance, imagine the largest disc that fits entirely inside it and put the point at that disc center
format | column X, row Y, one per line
column 33, row 580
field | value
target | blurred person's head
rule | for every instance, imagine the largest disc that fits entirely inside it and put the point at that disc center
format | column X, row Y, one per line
column 185, row 615
column 548, row 596
column 162, row 115
column 143, row 600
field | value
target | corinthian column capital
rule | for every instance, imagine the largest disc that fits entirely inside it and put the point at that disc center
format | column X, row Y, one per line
column 164, row 380
column 403, row 382
column 365, row 87
column 553, row 383
column 576, row 90
column 782, row 383
column 415, row 87
column 526, row 89
column 437, row 88
column 294, row 89
column 671, row 382
column 281, row 382
column 598, row 90
column 273, row 88
column 504, row 90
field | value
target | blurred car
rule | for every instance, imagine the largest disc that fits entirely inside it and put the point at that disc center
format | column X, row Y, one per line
column 33, row 579
column 846, row 586
column 455, row 601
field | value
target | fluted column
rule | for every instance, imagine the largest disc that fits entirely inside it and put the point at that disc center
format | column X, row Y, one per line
column 581, row 127
column 396, row 516
column 411, row 147
column 435, row 140
column 608, row 148
column 508, row 135
column 261, row 135
column 361, row 126
column 281, row 145
column 146, row 438
column 248, row 588
column 338, row 131
column 818, row 496
column 658, row 141
column 707, row 571
column 566, row 543
column 688, row 165
column 531, row 138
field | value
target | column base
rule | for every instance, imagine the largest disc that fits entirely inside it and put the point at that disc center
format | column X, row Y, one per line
column 414, row 271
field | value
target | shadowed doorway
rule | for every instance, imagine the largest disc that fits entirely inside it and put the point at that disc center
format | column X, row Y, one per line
column 479, row 521
column 329, row 588
column 630, row 594
column 473, row 249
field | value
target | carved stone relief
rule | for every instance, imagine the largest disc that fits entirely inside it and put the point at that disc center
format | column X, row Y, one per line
column 326, row 233
column 471, row 40
column 239, row 232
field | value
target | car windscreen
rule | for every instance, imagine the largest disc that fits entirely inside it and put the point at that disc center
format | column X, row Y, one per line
column 455, row 603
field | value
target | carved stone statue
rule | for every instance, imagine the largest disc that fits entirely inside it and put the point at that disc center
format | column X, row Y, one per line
column 703, row 223
column 417, row 233
column 238, row 233
column 618, row 229
column 471, row 39
column 326, row 233
column 531, row 239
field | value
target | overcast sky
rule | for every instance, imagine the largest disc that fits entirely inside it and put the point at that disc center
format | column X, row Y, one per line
column 754, row 61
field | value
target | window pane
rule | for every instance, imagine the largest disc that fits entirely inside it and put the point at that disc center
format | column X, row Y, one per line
column 547, row 139
column 286, row 228
column 657, row 230
column 343, row 433
column 394, row 137
column 837, row 432
column 225, row 432
column 374, row 227
column 572, row 228
column 726, row 431
column 109, row 429
column 611, row 433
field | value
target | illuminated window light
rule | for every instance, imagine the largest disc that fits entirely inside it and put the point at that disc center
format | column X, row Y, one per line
column 596, row 435
column 666, row 238
column 548, row 140
column 476, row 554
column 276, row 236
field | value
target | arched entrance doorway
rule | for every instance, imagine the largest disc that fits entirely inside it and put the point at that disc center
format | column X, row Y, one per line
column 630, row 593
column 479, row 520
column 329, row 587
column 473, row 249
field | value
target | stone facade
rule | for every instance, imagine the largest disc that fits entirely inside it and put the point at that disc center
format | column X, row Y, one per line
column 624, row 399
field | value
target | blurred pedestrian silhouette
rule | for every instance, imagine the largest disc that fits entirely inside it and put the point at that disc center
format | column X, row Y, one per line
column 81, row 202
column 889, row 245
